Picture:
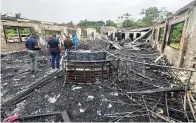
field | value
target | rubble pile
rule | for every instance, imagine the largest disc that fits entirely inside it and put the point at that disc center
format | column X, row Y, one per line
column 97, row 44
column 139, row 93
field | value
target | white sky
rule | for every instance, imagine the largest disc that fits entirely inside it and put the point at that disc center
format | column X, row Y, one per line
column 76, row 10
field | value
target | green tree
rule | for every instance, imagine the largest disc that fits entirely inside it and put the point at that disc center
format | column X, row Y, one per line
column 177, row 31
column 164, row 13
column 92, row 24
column 126, row 16
column 128, row 23
column 153, row 15
column 125, row 20
column 176, row 34
column 111, row 23
column 140, row 23
column 18, row 15
column 70, row 23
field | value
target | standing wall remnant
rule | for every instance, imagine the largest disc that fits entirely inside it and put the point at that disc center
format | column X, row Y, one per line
column 184, row 55
column 37, row 26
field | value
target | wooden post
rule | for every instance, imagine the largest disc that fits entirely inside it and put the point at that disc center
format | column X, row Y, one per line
column 189, row 81
column 64, row 73
column 144, row 68
column 118, row 65
column 165, row 35
column 154, row 37
column 184, row 41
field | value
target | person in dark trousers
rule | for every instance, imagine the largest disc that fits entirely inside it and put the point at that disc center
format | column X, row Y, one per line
column 33, row 50
column 68, row 43
column 55, row 50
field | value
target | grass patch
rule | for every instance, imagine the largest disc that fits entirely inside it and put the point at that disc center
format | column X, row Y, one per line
column 175, row 45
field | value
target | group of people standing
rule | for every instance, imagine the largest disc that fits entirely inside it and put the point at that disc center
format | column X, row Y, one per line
column 55, row 48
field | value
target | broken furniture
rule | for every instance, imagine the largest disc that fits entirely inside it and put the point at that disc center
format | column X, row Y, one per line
column 85, row 66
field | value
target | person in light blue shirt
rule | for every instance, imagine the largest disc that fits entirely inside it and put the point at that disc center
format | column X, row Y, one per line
column 75, row 41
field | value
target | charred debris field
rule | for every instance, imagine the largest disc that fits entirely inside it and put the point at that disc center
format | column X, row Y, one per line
column 139, row 93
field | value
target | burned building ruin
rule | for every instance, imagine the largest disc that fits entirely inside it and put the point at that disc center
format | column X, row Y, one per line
column 151, row 78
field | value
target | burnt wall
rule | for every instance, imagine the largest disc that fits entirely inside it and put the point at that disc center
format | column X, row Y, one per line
column 39, row 28
column 172, row 54
column 157, row 42
column 187, row 42
column 190, row 56
column 191, row 38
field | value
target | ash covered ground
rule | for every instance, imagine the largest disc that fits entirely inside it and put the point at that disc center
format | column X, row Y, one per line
column 15, row 75
column 102, row 102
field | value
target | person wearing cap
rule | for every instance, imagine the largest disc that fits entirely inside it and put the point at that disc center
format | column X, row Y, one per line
column 33, row 49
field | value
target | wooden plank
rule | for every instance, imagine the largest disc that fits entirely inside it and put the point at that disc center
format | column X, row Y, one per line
column 40, row 115
column 165, row 35
column 139, row 38
column 157, row 90
column 141, row 75
column 157, row 59
column 149, row 64
column 30, row 89
column 65, row 116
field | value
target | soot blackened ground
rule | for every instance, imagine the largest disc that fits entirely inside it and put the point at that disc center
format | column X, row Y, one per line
column 86, row 103
column 15, row 75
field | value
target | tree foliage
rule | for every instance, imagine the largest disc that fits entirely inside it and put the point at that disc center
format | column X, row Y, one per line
column 52, row 32
column 111, row 23
column 161, row 34
column 150, row 17
column 91, row 24
column 128, row 23
column 140, row 23
column 153, row 15
column 18, row 15
column 176, row 35
column 86, row 23
column 14, row 31
column 70, row 23
column 177, row 32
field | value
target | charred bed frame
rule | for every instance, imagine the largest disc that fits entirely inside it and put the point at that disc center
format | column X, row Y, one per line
column 87, row 67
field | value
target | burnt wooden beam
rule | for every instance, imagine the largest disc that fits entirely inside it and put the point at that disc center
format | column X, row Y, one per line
column 65, row 116
column 40, row 115
column 23, row 95
column 141, row 75
column 175, row 89
column 165, row 35
column 149, row 64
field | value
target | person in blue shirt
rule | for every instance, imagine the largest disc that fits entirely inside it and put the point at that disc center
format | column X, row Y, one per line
column 32, row 49
column 55, row 50
column 75, row 41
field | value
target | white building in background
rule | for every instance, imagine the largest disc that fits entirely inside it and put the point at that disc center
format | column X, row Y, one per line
column 134, row 33
column 118, row 34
